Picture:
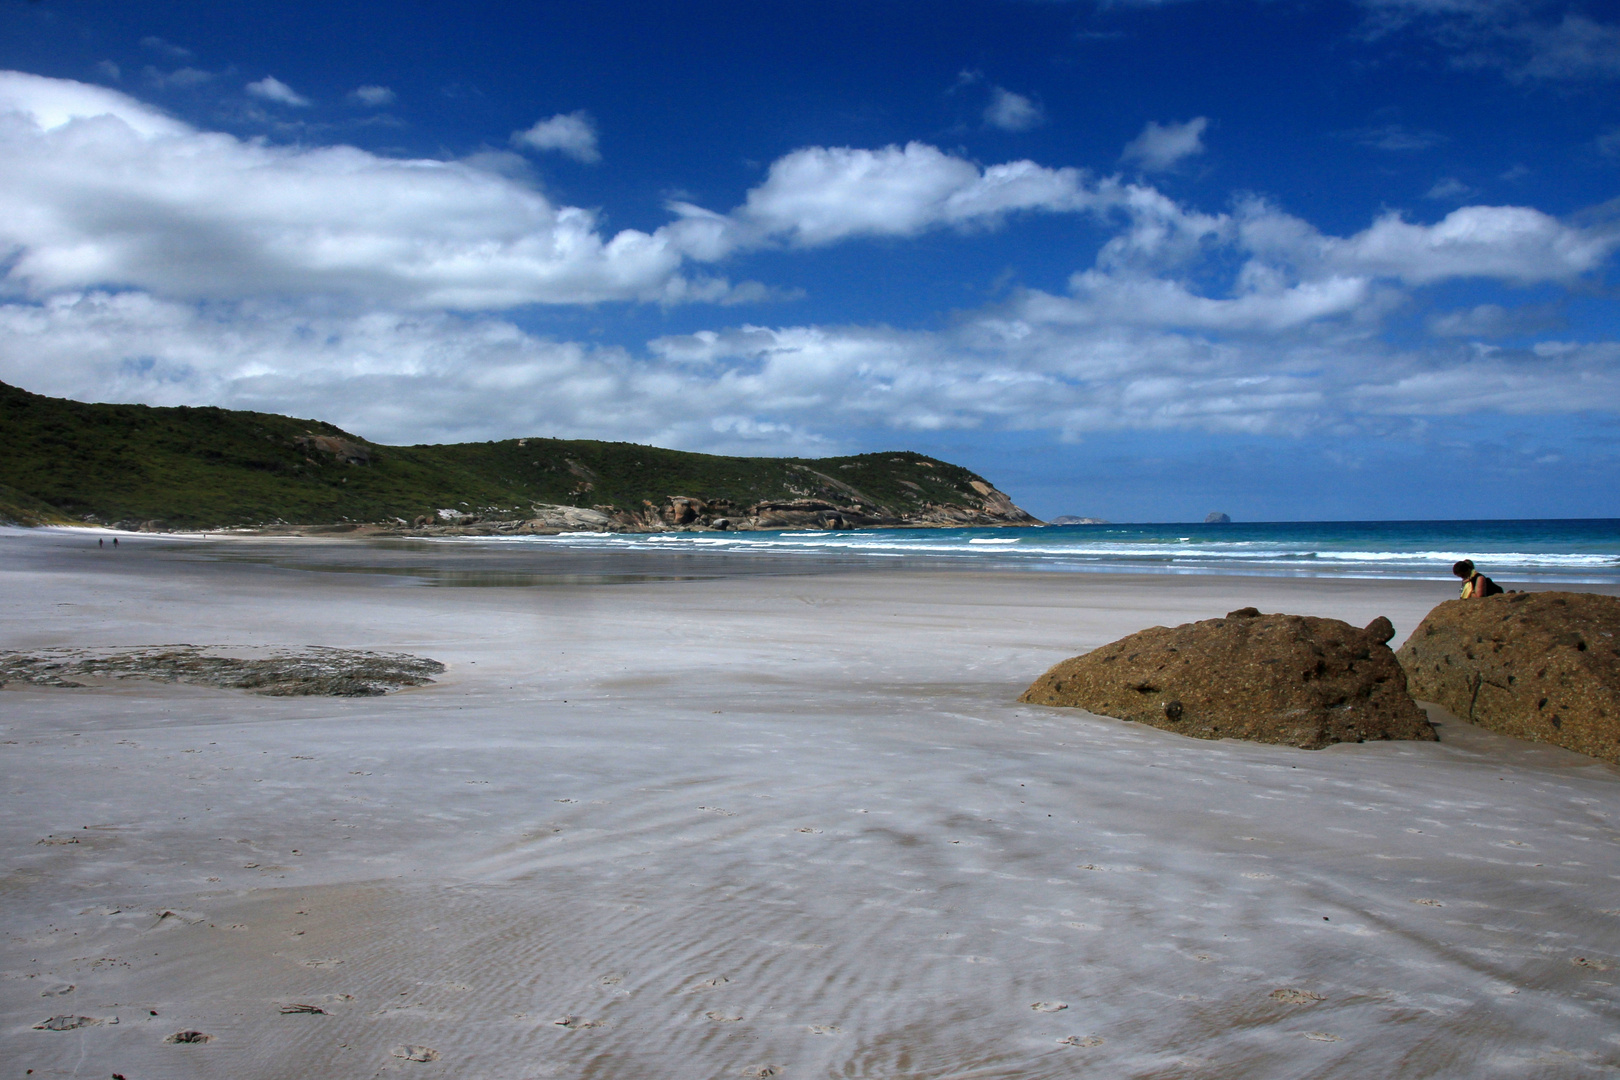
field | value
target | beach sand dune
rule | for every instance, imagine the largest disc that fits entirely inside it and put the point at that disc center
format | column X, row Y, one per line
column 695, row 823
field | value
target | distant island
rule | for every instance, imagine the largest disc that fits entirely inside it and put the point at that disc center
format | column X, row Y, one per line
column 1215, row 517
column 160, row 469
column 1070, row 519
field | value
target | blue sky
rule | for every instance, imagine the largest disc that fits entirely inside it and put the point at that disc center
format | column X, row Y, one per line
column 1322, row 259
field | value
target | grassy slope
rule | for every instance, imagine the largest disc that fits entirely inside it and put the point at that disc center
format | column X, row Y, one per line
column 66, row 460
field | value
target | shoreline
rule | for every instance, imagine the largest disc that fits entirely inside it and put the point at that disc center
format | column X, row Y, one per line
column 907, row 551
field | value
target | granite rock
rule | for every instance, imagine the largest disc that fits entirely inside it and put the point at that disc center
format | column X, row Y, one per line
column 1543, row 666
column 1296, row 680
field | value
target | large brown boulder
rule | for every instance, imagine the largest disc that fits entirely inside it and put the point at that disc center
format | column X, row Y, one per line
column 1290, row 679
column 1542, row 666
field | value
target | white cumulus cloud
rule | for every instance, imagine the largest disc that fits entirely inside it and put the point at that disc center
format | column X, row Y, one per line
column 1012, row 112
column 822, row 195
column 374, row 96
column 273, row 89
column 1508, row 243
column 98, row 189
column 573, row 134
column 1162, row 146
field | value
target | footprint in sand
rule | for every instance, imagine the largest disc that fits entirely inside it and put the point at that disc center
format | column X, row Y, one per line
column 57, row 991
column 807, row 829
column 1595, row 965
column 293, row 1008
column 763, row 1070
column 718, row 810
column 577, row 1023
column 825, row 1029
column 415, row 1053
column 1321, row 1036
column 1289, row 996
column 611, row 980
column 189, row 1037
column 1050, row 1006
column 709, row 984
column 723, row 1017
column 1081, row 1040
column 1429, row 903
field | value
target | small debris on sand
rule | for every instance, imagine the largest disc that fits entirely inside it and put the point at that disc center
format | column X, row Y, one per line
column 67, row 1023
column 274, row 672
column 415, row 1053
column 1289, row 996
column 294, row 1007
column 1050, row 1006
column 189, row 1037
column 1081, row 1040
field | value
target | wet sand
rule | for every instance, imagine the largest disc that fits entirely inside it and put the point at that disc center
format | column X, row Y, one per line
column 698, row 817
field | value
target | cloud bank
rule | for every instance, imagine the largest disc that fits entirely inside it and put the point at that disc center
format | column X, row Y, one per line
column 148, row 260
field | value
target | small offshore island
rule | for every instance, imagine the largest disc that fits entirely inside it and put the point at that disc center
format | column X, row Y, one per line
column 166, row 469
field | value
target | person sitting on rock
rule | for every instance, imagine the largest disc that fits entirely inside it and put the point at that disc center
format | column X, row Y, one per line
column 1475, row 584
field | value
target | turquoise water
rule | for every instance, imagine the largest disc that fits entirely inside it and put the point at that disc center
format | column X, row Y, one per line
column 1546, row 552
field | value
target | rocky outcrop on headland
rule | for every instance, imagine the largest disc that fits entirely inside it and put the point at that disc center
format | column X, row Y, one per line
column 686, row 513
column 1543, row 666
column 1296, row 680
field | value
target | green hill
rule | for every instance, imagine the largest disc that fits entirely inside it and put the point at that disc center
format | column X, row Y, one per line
column 66, row 461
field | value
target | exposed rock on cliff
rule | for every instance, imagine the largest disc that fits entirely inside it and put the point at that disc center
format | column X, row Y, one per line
column 1542, row 666
column 1290, row 679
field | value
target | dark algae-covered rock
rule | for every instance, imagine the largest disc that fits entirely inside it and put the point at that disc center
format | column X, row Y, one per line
column 1296, row 680
column 1543, row 666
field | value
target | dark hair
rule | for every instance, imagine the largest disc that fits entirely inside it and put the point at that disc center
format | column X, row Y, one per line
column 1464, row 568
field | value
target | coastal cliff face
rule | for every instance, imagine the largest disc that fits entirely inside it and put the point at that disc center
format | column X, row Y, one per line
column 181, row 468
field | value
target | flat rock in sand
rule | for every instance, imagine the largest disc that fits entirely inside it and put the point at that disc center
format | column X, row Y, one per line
column 1543, row 666
column 274, row 672
column 1290, row 679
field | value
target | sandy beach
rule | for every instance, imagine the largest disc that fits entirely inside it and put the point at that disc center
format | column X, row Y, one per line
column 676, row 816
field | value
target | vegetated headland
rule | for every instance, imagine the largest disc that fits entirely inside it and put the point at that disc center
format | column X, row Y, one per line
column 167, row 469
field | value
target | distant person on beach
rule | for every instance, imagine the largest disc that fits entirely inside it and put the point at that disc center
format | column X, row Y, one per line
column 1475, row 584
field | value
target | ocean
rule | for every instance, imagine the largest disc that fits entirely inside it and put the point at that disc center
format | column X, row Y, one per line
column 1541, row 553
